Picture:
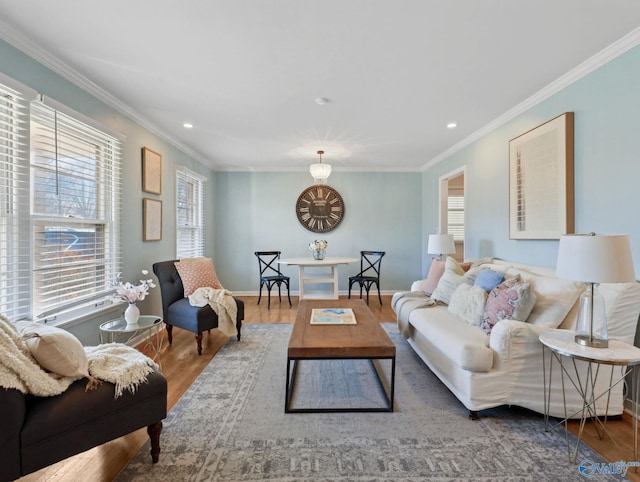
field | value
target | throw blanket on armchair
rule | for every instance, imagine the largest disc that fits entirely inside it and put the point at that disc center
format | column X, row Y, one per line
column 222, row 303
column 116, row 363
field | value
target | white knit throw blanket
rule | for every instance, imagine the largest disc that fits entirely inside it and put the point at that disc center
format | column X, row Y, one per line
column 19, row 370
column 222, row 304
column 117, row 363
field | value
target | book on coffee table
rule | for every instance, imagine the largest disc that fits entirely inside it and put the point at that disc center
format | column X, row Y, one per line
column 332, row 316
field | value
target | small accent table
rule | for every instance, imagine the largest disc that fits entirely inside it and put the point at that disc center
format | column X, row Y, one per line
column 318, row 278
column 565, row 351
column 109, row 331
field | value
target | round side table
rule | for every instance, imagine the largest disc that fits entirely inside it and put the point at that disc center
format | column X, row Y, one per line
column 149, row 325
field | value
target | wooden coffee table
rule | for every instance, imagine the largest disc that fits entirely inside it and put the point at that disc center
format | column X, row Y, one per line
column 364, row 340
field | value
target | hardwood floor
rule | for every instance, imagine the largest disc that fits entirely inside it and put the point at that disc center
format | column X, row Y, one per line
column 181, row 365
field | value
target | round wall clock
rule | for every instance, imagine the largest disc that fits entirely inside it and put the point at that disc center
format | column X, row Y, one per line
column 320, row 208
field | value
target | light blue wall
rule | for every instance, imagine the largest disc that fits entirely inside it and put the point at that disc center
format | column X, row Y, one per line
column 394, row 212
column 255, row 211
column 137, row 255
column 607, row 167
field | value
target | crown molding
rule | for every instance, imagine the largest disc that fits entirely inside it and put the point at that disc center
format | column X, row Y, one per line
column 603, row 57
column 53, row 63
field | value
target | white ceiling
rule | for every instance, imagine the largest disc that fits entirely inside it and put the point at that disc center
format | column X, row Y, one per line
column 247, row 73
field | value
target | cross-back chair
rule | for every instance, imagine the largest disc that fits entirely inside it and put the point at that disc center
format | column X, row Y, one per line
column 270, row 275
column 370, row 262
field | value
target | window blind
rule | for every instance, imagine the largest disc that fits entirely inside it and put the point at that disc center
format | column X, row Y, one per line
column 14, row 205
column 455, row 217
column 75, row 210
column 189, row 213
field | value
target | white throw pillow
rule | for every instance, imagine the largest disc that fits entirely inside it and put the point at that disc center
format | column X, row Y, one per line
column 453, row 277
column 55, row 349
column 555, row 298
column 449, row 281
column 467, row 303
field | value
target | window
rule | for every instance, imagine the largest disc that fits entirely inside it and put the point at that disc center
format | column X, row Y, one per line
column 455, row 216
column 189, row 213
column 14, row 204
column 61, row 222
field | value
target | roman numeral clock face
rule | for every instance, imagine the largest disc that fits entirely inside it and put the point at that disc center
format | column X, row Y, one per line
column 320, row 208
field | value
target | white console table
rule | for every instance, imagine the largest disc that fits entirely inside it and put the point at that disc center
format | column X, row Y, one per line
column 314, row 271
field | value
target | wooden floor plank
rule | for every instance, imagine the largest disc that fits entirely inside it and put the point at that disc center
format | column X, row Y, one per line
column 182, row 365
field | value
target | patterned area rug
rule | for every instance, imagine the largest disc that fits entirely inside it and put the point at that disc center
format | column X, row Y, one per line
column 231, row 426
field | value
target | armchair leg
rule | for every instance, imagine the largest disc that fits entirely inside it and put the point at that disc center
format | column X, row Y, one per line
column 199, row 342
column 169, row 333
column 238, row 327
column 154, row 436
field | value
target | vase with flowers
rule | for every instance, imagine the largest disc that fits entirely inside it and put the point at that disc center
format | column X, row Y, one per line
column 131, row 294
column 318, row 248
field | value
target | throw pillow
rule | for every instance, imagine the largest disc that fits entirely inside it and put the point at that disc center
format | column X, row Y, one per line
column 55, row 349
column 449, row 281
column 510, row 300
column 197, row 273
column 467, row 303
column 435, row 273
column 555, row 297
column 453, row 277
column 488, row 279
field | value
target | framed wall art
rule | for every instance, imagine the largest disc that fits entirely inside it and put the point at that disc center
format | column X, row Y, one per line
column 152, row 219
column 151, row 171
column 541, row 189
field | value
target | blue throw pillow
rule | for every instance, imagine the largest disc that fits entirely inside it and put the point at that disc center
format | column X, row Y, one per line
column 488, row 279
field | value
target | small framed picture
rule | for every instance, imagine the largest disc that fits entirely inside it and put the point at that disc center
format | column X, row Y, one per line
column 152, row 219
column 151, row 171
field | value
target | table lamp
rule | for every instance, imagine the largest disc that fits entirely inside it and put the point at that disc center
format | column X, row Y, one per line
column 594, row 258
column 441, row 244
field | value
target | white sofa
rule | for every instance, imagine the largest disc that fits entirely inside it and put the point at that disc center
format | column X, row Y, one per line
column 506, row 367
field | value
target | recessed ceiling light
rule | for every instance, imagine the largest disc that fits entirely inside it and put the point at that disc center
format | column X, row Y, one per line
column 452, row 125
column 321, row 100
column 187, row 125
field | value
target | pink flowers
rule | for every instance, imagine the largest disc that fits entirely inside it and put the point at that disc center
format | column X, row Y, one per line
column 130, row 293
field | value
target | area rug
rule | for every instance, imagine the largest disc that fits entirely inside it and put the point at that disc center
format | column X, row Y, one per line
column 230, row 425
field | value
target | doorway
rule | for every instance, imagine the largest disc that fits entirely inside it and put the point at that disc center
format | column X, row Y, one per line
column 452, row 204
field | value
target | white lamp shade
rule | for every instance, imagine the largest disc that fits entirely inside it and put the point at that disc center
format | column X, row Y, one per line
column 441, row 244
column 601, row 258
column 320, row 171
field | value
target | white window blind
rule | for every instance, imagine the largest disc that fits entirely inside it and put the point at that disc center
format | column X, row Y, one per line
column 75, row 209
column 189, row 213
column 455, row 217
column 15, row 292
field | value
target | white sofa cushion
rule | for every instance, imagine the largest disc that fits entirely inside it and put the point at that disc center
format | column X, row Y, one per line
column 466, row 345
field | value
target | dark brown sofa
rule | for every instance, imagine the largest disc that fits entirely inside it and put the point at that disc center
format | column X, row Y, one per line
column 38, row 431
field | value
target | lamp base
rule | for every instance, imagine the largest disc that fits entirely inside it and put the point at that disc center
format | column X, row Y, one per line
column 586, row 340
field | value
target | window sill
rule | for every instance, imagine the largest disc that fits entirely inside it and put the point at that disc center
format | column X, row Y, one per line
column 84, row 315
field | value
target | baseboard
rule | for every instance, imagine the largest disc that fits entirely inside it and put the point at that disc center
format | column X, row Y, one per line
column 297, row 293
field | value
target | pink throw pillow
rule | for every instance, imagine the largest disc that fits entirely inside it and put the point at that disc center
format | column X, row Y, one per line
column 510, row 300
column 435, row 273
column 197, row 273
